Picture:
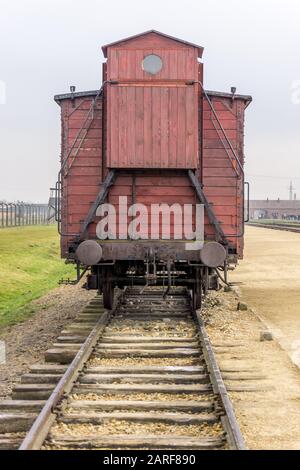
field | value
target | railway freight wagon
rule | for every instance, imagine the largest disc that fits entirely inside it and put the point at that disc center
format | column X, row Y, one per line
column 151, row 188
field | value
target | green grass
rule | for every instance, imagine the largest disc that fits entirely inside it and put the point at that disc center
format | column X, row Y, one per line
column 30, row 266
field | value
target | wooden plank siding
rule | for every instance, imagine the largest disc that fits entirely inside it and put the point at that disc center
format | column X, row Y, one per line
column 152, row 127
column 221, row 175
column 82, row 182
column 152, row 119
column 221, row 186
column 155, row 128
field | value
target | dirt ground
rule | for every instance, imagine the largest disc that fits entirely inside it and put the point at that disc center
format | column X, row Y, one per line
column 26, row 342
column 269, row 281
column 263, row 383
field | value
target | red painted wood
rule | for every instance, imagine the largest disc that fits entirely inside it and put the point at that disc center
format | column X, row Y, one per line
column 152, row 127
column 152, row 124
column 228, row 124
column 221, row 184
column 89, row 180
column 76, row 124
column 212, row 171
column 223, row 115
column 152, row 119
column 178, row 63
column 218, row 163
column 217, row 143
column 153, row 191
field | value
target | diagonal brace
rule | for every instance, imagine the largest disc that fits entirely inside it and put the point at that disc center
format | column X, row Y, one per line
column 210, row 213
column 109, row 180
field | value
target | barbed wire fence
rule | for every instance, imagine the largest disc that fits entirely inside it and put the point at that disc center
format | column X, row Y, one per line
column 18, row 214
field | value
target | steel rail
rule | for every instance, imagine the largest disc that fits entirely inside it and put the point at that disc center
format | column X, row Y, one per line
column 56, row 402
column 287, row 228
column 40, row 428
column 234, row 436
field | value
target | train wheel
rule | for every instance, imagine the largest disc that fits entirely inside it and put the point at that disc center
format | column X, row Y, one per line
column 108, row 295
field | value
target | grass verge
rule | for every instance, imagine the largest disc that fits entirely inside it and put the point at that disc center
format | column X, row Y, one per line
column 30, row 266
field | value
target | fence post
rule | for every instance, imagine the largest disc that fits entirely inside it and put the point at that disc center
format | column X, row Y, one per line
column 2, row 213
column 17, row 214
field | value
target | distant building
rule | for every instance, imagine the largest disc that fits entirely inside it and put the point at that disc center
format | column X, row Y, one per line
column 275, row 209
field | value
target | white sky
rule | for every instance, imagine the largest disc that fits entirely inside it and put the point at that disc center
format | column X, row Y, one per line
column 46, row 46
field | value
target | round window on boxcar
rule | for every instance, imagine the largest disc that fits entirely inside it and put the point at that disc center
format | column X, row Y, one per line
column 152, row 64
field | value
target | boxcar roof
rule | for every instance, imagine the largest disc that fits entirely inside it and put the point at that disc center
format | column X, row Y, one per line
column 151, row 31
column 83, row 94
column 222, row 94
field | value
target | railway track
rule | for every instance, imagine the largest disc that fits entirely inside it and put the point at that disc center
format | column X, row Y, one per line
column 288, row 228
column 143, row 376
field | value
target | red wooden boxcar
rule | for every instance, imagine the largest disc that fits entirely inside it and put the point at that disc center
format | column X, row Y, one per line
column 152, row 135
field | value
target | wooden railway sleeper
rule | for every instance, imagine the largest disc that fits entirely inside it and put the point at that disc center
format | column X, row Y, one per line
column 60, row 412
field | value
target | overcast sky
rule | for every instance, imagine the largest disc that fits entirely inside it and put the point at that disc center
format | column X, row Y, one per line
column 46, row 46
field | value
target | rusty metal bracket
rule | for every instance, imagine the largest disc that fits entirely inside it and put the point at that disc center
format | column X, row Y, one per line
column 109, row 180
column 79, row 276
